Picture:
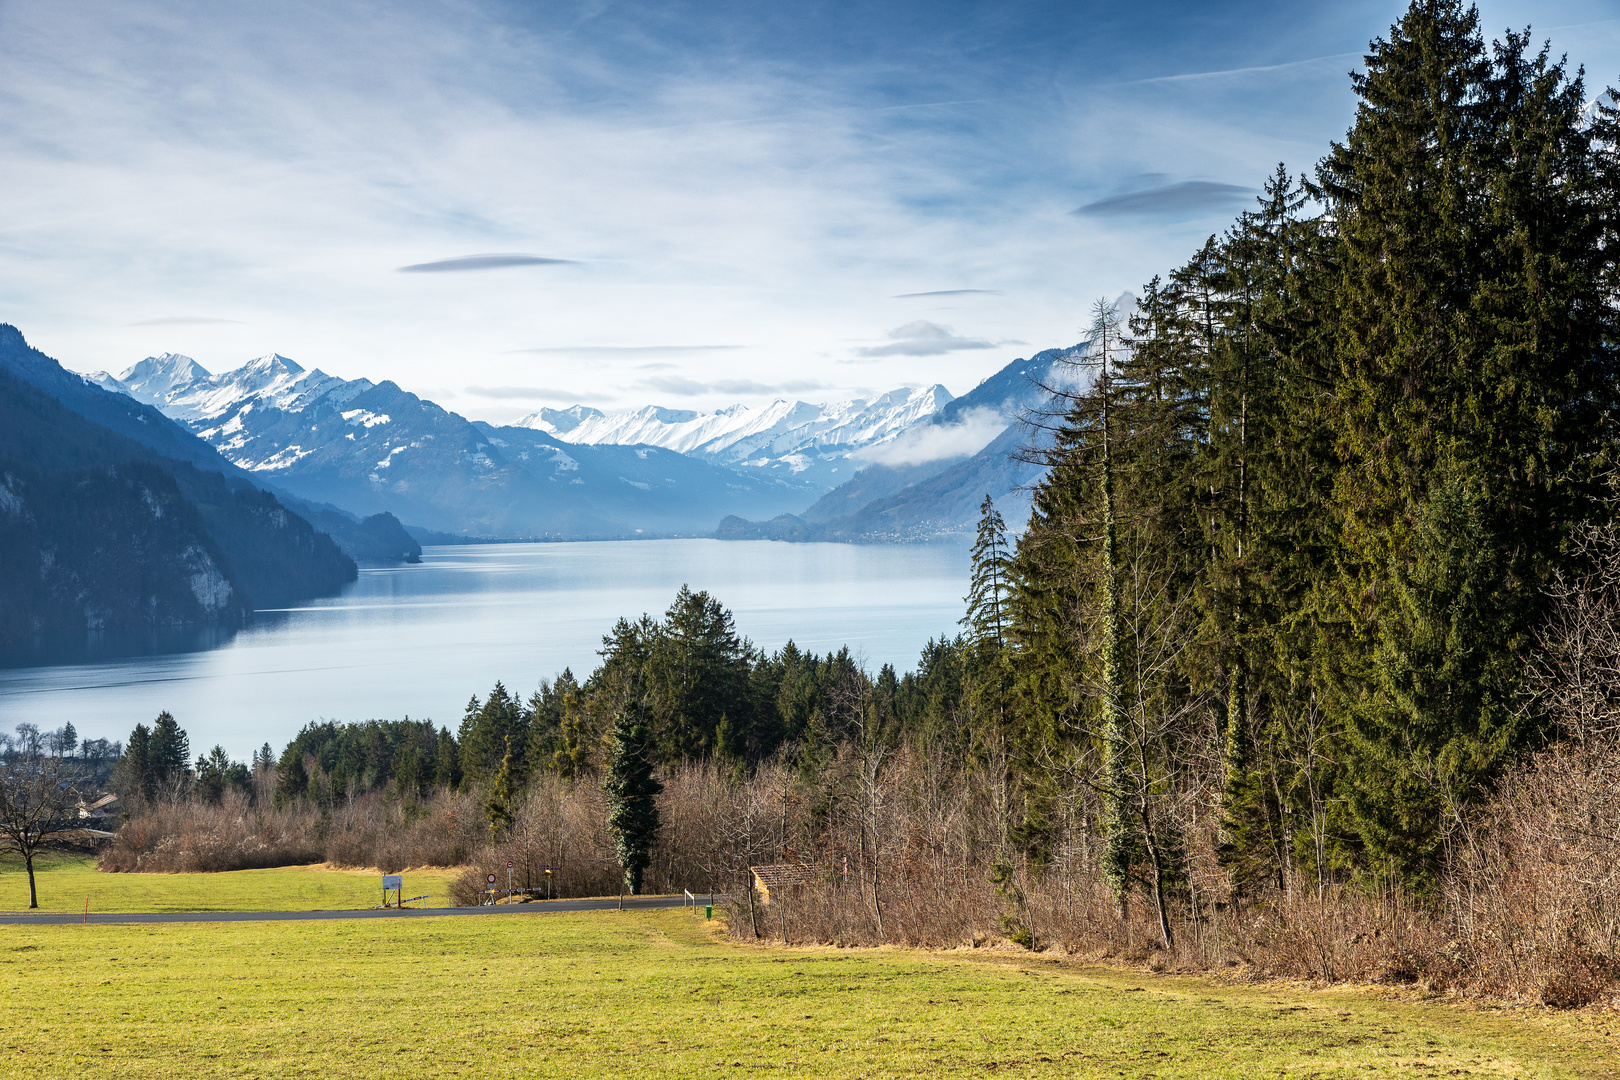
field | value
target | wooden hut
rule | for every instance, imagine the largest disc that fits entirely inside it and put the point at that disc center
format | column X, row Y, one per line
column 781, row 876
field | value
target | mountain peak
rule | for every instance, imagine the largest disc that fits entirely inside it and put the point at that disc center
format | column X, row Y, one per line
column 269, row 364
column 163, row 372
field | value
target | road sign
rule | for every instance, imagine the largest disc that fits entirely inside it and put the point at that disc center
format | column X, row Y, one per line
column 489, row 878
column 393, row 881
column 509, row 864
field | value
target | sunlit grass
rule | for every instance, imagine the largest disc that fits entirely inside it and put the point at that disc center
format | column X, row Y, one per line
column 644, row 994
column 67, row 882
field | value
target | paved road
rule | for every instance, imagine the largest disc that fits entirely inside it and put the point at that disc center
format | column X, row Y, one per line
column 541, row 907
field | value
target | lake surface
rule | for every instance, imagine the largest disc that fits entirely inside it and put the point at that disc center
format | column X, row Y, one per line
column 420, row 640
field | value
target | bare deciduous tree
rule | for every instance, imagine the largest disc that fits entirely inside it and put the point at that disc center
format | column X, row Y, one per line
column 38, row 800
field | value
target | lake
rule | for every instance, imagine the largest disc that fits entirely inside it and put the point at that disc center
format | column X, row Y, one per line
column 419, row 640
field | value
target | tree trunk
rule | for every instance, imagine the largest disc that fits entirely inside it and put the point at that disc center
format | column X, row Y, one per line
column 33, row 894
column 1158, row 878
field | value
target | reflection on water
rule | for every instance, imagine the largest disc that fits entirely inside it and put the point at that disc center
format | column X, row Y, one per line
column 97, row 646
column 419, row 640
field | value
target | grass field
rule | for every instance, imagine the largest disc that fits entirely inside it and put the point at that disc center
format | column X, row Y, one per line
column 66, row 882
column 645, row 994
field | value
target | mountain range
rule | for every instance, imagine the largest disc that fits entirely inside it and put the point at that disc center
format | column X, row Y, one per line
column 910, row 464
column 809, row 443
column 576, row 473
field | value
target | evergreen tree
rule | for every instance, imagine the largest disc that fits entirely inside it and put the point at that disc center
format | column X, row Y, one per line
column 502, row 795
column 132, row 775
column 985, row 620
column 632, row 795
column 447, row 761
column 491, row 730
column 1475, row 371
column 696, row 673
column 168, row 755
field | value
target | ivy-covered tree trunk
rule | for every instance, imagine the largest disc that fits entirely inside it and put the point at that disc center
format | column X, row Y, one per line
column 632, row 793
column 1117, row 775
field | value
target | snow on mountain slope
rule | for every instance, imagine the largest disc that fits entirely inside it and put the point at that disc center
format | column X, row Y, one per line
column 184, row 390
column 372, row 447
column 812, row 442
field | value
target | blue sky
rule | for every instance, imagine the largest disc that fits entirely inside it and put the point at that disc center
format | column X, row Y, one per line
column 510, row 205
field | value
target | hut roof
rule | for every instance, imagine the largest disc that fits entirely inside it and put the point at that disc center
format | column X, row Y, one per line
column 780, row 875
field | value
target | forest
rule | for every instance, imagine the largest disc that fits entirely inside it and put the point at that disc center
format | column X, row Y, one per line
column 1304, row 664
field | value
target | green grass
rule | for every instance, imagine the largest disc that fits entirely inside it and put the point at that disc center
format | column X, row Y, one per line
column 655, row 994
column 66, row 882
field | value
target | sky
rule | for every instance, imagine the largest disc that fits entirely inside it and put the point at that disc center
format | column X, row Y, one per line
column 507, row 206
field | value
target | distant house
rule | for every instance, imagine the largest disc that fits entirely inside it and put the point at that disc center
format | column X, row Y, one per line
column 97, row 808
column 781, row 876
column 97, row 820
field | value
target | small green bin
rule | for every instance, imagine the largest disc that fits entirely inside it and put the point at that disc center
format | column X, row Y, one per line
column 708, row 911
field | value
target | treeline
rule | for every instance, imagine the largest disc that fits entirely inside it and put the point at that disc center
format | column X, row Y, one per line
column 703, row 691
column 1300, row 527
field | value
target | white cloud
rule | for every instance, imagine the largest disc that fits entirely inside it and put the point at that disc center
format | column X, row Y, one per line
column 268, row 167
column 971, row 433
column 923, row 338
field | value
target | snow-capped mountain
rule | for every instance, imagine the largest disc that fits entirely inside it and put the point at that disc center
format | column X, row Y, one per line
column 369, row 447
column 183, row 389
column 812, row 442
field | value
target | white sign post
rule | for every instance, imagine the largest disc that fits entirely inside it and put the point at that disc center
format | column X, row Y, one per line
column 489, row 879
column 508, row 877
column 395, row 882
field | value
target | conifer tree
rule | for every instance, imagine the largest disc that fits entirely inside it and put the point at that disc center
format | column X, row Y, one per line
column 502, row 794
column 1474, row 371
column 168, row 755
column 447, row 761
column 491, row 730
column 133, row 774
column 632, row 793
column 985, row 620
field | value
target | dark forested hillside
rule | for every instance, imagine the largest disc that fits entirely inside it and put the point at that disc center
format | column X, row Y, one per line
column 101, row 532
column 115, row 547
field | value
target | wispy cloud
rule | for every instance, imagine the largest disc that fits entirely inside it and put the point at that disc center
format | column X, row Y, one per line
column 628, row 351
column 464, row 263
column 1240, row 72
column 684, row 387
column 186, row 320
column 536, row 393
column 722, row 173
column 923, row 338
column 1168, row 200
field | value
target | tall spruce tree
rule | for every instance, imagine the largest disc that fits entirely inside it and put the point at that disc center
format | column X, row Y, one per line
column 490, row 732
column 168, row 755
column 1474, row 378
column 986, row 618
column 632, row 796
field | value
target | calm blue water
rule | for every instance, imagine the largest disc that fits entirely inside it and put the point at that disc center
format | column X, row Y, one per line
column 420, row 640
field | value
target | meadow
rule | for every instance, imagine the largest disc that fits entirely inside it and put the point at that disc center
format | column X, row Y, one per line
column 67, row 881
column 643, row 994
